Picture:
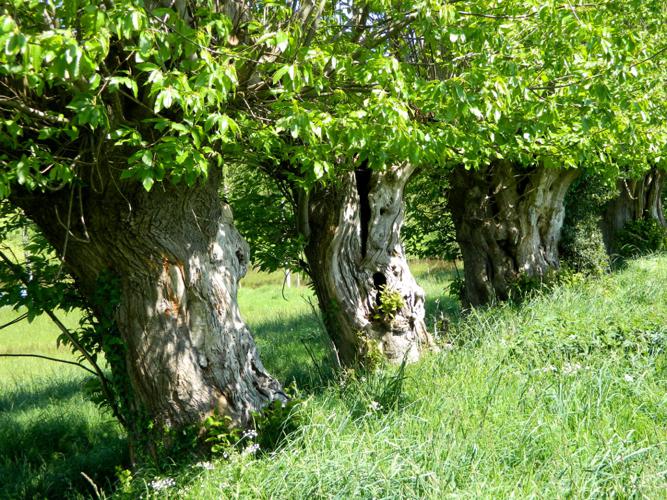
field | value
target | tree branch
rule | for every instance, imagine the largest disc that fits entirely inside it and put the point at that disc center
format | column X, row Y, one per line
column 49, row 358
column 14, row 321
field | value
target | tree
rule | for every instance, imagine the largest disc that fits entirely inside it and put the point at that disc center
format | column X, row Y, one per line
column 342, row 158
column 638, row 199
column 508, row 222
column 523, row 96
column 117, row 120
column 372, row 306
column 429, row 231
column 114, row 119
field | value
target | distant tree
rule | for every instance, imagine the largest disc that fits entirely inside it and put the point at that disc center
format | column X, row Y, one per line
column 638, row 199
column 429, row 230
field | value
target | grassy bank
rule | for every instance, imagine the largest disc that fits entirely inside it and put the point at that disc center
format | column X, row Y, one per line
column 564, row 395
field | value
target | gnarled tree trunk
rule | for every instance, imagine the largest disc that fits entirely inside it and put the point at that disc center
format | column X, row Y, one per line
column 638, row 199
column 356, row 261
column 178, row 258
column 508, row 222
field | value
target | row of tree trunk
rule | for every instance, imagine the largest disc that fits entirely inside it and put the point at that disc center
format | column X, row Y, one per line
column 179, row 259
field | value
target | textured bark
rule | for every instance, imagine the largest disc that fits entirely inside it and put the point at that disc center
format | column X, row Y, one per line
column 354, row 251
column 638, row 199
column 508, row 223
column 179, row 259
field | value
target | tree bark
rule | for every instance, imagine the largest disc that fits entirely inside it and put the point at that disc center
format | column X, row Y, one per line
column 354, row 253
column 508, row 223
column 179, row 258
column 638, row 199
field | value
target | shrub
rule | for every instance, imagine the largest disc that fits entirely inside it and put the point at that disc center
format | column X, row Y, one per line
column 582, row 247
column 641, row 237
column 391, row 301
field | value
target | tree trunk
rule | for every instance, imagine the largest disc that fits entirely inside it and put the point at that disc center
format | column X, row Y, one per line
column 356, row 261
column 638, row 199
column 508, row 222
column 179, row 258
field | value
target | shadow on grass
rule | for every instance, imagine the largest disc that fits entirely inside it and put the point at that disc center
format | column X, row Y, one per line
column 296, row 350
column 23, row 399
column 440, row 306
column 47, row 439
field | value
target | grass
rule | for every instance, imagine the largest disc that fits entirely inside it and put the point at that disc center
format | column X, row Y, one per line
column 49, row 431
column 562, row 396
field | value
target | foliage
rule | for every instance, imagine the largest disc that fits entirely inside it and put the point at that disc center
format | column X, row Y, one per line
column 582, row 246
column 460, row 85
column 264, row 213
column 389, row 302
column 37, row 282
column 457, row 288
column 269, row 428
column 428, row 231
column 641, row 237
column 275, row 423
column 221, row 434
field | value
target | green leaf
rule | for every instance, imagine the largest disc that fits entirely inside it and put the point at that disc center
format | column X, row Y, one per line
column 147, row 182
column 282, row 40
column 277, row 76
column 147, row 158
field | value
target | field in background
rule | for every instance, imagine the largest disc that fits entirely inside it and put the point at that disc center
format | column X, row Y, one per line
column 563, row 395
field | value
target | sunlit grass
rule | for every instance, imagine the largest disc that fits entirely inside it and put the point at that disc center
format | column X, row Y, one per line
column 563, row 396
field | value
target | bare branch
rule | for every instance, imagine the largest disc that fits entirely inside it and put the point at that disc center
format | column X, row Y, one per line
column 49, row 358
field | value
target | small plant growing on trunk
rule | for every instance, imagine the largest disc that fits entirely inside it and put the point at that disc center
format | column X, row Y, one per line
column 390, row 303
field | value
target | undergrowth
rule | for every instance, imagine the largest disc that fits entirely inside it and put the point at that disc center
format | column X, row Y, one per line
column 561, row 396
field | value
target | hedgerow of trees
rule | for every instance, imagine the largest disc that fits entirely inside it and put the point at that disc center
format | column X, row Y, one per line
column 128, row 126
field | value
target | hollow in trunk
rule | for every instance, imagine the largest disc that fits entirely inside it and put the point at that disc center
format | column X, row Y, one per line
column 373, row 309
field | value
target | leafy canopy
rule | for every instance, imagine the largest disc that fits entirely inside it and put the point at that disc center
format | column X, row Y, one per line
column 316, row 87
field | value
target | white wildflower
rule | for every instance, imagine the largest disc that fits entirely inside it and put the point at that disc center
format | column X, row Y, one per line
column 162, row 484
column 250, row 434
column 251, row 450
column 571, row 368
column 628, row 378
column 205, row 465
column 550, row 368
column 375, row 406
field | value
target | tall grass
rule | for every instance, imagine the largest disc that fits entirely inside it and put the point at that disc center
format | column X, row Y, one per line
column 49, row 431
column 563, row 396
